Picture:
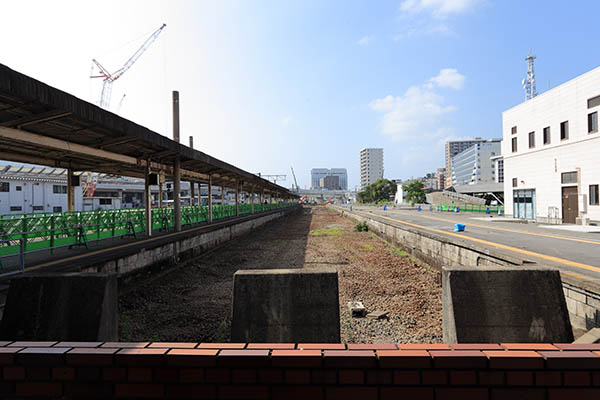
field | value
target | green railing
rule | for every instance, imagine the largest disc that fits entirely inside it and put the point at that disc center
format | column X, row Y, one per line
column 42, row 231
column 479, row 208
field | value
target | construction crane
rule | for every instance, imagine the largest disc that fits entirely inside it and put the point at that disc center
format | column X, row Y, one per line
column 109, row 78
column 295, row 181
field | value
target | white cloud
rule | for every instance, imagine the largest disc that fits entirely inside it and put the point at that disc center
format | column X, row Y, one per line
column 449, row 77
column 285, row 121
column 416, row 116
column 364, row 41
column 439, row 8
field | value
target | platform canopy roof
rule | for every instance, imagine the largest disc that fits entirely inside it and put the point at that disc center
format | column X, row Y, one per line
column 42, row 125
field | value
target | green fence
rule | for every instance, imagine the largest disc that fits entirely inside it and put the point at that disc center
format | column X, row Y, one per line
column 51, row 230
column 480, row 208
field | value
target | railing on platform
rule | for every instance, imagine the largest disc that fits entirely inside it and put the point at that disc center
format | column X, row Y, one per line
column 24, row 233
column 479, row 208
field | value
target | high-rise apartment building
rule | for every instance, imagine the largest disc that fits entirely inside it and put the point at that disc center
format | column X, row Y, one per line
column 453, row 148
column 371, row 166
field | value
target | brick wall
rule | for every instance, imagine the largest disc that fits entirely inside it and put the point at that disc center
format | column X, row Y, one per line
column 64, row 370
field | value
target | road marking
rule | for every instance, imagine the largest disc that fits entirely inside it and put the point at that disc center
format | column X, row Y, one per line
column 499, row 245
column 514, row 231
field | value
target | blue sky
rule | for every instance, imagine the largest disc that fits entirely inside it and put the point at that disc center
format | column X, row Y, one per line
column 266, row 85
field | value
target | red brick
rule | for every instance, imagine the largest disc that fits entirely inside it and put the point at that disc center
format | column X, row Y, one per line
column 38, row 389
column 518, row 394
column 515, row 359
column 4, row 343
column 37, row 373
column 270, row 375
column 548, row 378
column 351, row 377
column 165, row 375
column 529, row 346
column 434, row 377
column 88, row 374
column 243, row 392
column 191, row 391
column 349, row 358
column 423, row 346
column 379, row 377
column 7, row 355
column 573, row 394
column 578, row 346
column 144, row 390
column 221, row 346
column 31, row 344
column 368, row 346
column 63, row 374
column 42, row 356
column 519, row 378
column 87, row 390
column 140, row 357
column 404, row 359
column 172, row 345
column 271, row 346
column 297, row 393
column 7, row 389
column 139, row 374
column 571, row 359
column 125, row 345
column 324, row 376
column 243, row 376
column 596, row 378
column 577, row 378
column 90, row 356
column 13, row 373
column 114, row 374
column 192, row 358
column 217, row 375
column 194, row 375
column 461, row 394
column 321, row 346
column 476, row 346
column 406, row 377
column 463, row 378
column 396, row 393
column 296, row 358
column 78, row 344
column 458, row 359
column 297, row 376
column 243, row 358
column 351, row 392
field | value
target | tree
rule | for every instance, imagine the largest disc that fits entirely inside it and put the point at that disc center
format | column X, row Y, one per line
column 380, row 190
column 415, row 193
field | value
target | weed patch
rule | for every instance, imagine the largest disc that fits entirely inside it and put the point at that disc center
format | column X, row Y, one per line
column 327, row 232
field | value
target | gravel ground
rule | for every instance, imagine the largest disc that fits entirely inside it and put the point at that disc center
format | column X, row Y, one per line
column 193, row 302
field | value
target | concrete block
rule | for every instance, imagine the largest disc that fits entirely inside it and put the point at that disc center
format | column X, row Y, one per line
column 286, row 306
column 503, row 304
column 577, row 296
column 592, row 336
column 71, row 307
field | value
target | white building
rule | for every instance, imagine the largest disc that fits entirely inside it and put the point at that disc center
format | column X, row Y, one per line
column 551, row 152
column 473, row 165
column 371, row 166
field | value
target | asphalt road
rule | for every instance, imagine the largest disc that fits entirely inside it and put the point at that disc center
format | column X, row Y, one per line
column 575, row 253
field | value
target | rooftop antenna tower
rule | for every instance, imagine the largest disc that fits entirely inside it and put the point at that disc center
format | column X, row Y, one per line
column 529, row 82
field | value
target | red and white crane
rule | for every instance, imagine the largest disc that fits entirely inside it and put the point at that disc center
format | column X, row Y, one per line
column 108, row 78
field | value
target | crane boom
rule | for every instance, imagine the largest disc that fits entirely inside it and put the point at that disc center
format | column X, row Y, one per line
column 109, row 78
column 295, row 181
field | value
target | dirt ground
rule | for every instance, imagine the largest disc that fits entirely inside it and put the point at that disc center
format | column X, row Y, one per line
column 193, row 302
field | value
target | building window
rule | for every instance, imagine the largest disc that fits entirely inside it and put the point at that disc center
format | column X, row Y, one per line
column 59, row 189
column 38, row 208
column 593, row 122
column 531, row 140
column 547, row 135
column 57, row 209
column 4, row 187
column 594, row 102
column 568, row 177
column 514, row 182
column 513, row 130
column 15, row 208
column 514, row 145
column 594, row 195
column 105, row 201
column 564, row 130
column 18, row 188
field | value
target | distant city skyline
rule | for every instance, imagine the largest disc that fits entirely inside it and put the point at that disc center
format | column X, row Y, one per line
column 269, row 85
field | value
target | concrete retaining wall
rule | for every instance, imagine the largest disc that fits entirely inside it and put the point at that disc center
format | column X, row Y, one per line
column 582, row 297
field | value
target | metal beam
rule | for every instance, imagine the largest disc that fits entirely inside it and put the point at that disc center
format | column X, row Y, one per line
column 35, row 119
column 116, row 142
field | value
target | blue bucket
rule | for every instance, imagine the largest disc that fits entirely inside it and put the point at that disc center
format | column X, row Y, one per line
column 459, row 227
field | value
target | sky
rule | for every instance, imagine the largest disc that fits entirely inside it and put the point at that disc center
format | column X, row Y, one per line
column 269, row 85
